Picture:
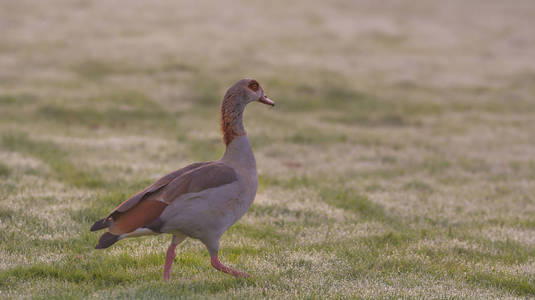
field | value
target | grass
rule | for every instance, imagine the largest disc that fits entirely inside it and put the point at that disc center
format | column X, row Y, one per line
column 397, row 163
column 55, row 157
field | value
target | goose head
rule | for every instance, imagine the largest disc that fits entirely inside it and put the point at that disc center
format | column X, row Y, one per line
column 236, row 98
column 246, row 91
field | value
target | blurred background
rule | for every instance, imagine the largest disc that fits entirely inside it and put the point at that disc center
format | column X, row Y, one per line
column 403, row 132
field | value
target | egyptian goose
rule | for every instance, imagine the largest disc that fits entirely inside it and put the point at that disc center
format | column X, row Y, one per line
column 203, row 199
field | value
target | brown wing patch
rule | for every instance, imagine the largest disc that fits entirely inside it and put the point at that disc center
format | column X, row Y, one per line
column 208, row 176
column 155, row 187
column 148, row 205
column 142, row 214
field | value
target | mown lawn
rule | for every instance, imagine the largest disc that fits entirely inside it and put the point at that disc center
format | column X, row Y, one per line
column 398, row 162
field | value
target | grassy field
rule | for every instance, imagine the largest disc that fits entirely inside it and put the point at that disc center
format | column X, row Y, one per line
column 399, row 161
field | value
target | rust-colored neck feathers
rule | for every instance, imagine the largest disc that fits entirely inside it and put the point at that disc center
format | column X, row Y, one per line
column 231, row 117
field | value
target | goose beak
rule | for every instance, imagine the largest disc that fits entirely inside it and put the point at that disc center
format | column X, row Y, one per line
column 264, row 99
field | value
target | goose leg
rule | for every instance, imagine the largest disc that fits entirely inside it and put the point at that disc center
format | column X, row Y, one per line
column 171, row 254
column 216, row 263
column 212, row 245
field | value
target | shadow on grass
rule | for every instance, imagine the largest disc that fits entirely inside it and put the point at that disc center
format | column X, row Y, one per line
column 112, row 118
column 17, row 99
column 64, row 170
column 4, row 170
column 56, row 158
column 340, row 197
column 178, row 290
column 99, row 271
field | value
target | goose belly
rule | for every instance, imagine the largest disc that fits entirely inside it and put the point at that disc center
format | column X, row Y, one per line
column 208, row 213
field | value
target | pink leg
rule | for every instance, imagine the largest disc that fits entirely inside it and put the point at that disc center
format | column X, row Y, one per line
column 216, row 263
column 169, row 258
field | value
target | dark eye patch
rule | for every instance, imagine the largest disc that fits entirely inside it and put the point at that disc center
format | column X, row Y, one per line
column 253, row 85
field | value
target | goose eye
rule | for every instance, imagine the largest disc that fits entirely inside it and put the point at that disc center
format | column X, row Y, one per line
column 253, row 86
